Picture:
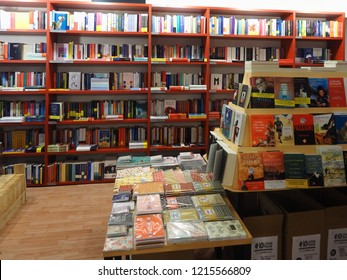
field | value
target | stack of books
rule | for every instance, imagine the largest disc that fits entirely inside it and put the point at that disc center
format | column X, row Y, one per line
column 149, row 231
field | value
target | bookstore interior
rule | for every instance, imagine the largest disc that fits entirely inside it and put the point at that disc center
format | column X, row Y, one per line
column 216, row 127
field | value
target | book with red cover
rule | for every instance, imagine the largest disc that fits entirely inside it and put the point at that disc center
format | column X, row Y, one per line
column 303, row 129
column 337, row 94
column 262, row 130
column 251, row 173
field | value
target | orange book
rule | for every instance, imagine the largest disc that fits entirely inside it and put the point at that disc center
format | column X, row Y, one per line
column 149, row 227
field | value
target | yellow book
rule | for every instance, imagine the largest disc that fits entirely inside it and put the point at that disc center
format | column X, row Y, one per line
column 21, row 20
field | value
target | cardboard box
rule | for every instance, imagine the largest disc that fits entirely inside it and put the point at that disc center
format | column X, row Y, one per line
column 303, row 227
column 335, row 203
column 264, row 220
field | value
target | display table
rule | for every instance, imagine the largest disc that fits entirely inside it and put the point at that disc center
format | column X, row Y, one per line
column 184, row 246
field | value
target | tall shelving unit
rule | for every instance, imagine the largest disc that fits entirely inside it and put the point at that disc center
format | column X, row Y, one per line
column 206, row 39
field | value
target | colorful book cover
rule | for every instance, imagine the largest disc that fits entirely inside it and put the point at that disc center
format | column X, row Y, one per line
column 169, row 106
column 262, row 92
column 148, row 204
column 273, row 165
column 119, row 243
column 333, row 165
column 148, row 227
column 294, row 170
column 251, row 172
column 180, row 215
column 337, row 94
column 314, row 170
column 302, row 92
column 284, row 92
column 207, row 199
column 227, row 121
column 262, row 131
column 303, row 129
column 319, row 92
column 284, row 130
column 324, row 129
column 60, row 20
column 238, row 129
column 341, row 127
column 214, row 213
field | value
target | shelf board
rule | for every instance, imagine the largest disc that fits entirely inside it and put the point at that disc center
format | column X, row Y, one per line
column 22, row 124
column 99, row 151
column 81, row 182
column 99, row 121
column 23, row 62
column 178, row 149
column 100, row 33
column 97, row 62
column 96, row 92
column 23, row 31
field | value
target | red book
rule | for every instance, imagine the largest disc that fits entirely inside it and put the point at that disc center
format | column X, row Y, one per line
column 262, row 131
column 251, row 174
column 303, row 129
column 337, row 94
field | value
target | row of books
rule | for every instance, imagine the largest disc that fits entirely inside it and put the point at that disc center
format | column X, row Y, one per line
column 177, row 136
column 22, row 139
column 167, row 79
column 178, row 51
column 25, row 80
column 285, row 92
column 169, row 106
column 278, row 170
column 178, row 24
column 99, row 109
column 231, row 54
column 108, row 80
column 102, row 137
column 312, row 55
column 231, row 25
column 22, row 108
column 34, row 172
column 34, row 20
column 220, row 81
column 98, row 21
column 109, row 52
column 318, row 28
column 22, row 51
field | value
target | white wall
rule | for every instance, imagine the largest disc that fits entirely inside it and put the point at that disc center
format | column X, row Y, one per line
column 298, row 5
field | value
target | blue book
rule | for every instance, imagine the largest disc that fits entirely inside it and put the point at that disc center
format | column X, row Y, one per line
column 60, row 20
column 341, row 127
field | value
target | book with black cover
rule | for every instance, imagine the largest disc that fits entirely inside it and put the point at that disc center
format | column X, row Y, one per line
column 15, row 51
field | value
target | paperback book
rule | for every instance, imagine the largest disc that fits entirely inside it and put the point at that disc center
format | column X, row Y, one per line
column 303, row 129
column 302, row 92
column 324, row 129
column 273, row 164
column 284, row 92
column 262, row 95
column 333, row 165
column 262, row 131
column 295, row 174
column 251, row 171
column 314, row 170
column 284, row 130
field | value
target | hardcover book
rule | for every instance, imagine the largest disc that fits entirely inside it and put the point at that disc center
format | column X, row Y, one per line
column 262, row 95
column 262, row 131
column 324, row 129
column 15, row 51
column 251, row 171
column 60, row 20
column 284, row 92
column 56, row 111
column 333, row 165
column 273, row 164
column 284, row 130
column 169, row 106
column 294, row 170
column 303, row 129
column 302, row 93
column 314, row 170
column 235, row 97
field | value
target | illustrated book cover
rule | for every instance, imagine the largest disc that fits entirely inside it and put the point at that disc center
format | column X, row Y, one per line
column 314, row 170
column 262, row 130
column 324, row 129
column 284, row 130
column 284, row 92
column 302, row 92
column 273, row 165
column 333, row 165
column 251, row 171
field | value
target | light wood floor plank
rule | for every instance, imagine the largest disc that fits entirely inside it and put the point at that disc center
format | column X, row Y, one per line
column 56, row 223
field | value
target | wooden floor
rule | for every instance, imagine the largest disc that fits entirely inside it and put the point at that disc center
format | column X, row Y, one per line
column 57, row 223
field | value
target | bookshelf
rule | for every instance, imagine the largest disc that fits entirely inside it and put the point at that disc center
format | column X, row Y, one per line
column 156, row 48
column 247, row 147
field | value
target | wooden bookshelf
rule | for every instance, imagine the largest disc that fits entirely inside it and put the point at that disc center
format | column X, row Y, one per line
column 202, row 36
